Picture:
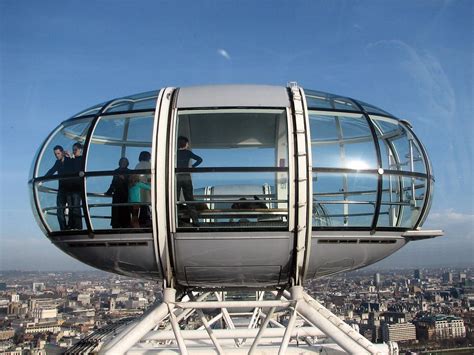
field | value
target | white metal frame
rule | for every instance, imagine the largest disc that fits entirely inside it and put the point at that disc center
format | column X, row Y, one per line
column 303, row 180
column 309, row 323
column 159, row 195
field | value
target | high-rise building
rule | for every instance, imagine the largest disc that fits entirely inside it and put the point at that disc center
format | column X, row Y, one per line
column 418, row 274
column 448, row 277
column 377, row 279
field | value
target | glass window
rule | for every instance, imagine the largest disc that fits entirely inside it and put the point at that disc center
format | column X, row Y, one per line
column 114, row 203
column 231, row 169
column 61, row 203
column 402, row 201
column 121, row 144
column 144, row 101
column 341, row 141
column 399, row 148
column 67, row 135
column 115, row 137
column 346, row 200
column 323, row 100
column 373, row 109
column 94, row 110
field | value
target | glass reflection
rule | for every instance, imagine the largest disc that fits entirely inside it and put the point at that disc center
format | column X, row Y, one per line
column 346, row 200
column 400, row 150
column 64, row 140
column 341, row 141
column 119, row 136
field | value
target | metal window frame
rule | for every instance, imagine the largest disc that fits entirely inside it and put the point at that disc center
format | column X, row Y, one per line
column 428, row 177
column 86, row 146
column 39, row 157
column 160, row 197
column 220, row 169
column 379, row 163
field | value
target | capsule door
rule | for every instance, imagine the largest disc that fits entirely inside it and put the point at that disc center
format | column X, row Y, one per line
column 229, row 195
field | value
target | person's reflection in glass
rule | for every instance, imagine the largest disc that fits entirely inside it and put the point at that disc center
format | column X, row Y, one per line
column 119, row 191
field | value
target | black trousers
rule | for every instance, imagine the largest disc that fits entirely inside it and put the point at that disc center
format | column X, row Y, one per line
column 75, row 214
column 61, row 202
column 185, row 184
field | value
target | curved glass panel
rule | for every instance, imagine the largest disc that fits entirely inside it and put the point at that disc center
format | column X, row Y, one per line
column 67, row 135
column 94, row 110
column 236, row 175
column 341, row 141
column 111, row 204
column 400, row 150
column 60, row 203
column 344, row 200
column 121, row 136
column 60, row 199
column 121, row 143
column 403, row 195
column 373, row 109
column 402, row 200
column 143, row 101
column 323, row 100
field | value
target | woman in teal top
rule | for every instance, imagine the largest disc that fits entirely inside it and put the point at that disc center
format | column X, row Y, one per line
column 134, row 196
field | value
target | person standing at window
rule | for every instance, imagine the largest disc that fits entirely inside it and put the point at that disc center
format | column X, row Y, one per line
column 119, row 191
column 74, row 195
column 183, row 180
column 135, row 186
column 145, row 195
column 61, row 167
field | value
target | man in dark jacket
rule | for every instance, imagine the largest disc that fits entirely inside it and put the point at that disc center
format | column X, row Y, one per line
column 61, row 167
column 74, row 195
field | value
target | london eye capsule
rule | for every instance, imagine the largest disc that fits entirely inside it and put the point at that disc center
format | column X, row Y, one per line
column 232, row 185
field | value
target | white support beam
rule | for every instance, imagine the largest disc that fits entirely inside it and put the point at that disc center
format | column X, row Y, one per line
column 125, row 341
column 235, row 334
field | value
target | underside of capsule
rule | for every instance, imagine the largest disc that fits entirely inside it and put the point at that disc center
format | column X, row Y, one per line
column 232, row 185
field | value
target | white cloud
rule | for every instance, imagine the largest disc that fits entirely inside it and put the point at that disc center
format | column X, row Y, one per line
column 223, row 53
column 449, row 218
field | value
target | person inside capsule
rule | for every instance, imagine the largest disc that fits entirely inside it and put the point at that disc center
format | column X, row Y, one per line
column 119, row 191
column 144, row 163
column 61, row 167
column 75, row 189
column 135, row 188
column 183, row 180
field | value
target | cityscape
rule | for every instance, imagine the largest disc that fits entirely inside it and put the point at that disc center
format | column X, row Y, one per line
column 420, row 309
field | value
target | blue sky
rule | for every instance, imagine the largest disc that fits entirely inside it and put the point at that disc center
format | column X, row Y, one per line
column 411, row 58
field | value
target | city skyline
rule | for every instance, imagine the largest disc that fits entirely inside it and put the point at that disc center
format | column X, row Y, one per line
column 413, row 59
